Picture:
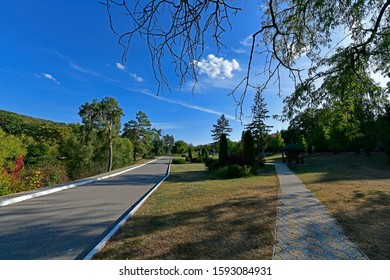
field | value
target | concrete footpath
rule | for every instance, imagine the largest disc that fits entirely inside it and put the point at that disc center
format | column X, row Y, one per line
column 305, row 230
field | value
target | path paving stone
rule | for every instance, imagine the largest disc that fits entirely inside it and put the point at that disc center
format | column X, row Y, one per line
column 305, row 230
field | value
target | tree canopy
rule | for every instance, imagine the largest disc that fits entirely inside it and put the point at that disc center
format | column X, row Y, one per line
column 221, row 127
column 290, row 32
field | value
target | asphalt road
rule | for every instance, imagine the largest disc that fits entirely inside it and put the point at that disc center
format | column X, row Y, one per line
column 69, row 223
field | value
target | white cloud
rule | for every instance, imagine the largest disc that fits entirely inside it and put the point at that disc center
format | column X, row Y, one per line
column 217, row 67
column 183, row 104
column 50, row 77
column 120, row 66
column 239, row 51
column 135, row 77
column 247, row 42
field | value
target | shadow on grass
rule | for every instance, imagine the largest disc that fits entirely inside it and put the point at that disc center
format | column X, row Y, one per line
column 191, row 176
column 347, row 166
column 369, row 226
column 229, row 230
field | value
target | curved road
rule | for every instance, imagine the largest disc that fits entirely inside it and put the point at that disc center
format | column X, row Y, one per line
column 69, row 223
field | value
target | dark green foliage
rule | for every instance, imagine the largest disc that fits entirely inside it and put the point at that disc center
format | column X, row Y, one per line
column 36, row 153
column 222, row 127
column 178, row 161
column 190, row 153
column 212, row 164
column 180, row 147
column 223, row 150
column 234, row 171
column 205, row 154
column 248, row 148
column 197, row 160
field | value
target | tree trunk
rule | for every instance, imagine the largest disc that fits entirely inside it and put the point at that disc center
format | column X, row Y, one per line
column 109, row 151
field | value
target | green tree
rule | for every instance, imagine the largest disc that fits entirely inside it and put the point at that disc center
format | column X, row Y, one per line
column 11, row 148
column 223, row 150
column 277, row 142
column 180, row 147
column 140, row 133
column 258, row 127
column 123, row 152
column 103, row 116
column 169, row 141
column 248, row 148
column 222, row 127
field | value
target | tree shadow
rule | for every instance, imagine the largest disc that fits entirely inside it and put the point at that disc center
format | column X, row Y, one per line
column 369, row 225
column 221, row 231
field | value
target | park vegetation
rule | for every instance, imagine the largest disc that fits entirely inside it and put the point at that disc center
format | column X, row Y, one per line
column 35, row 153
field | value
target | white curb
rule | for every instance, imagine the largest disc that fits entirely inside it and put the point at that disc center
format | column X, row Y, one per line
column 54, row 190
column 103, row 242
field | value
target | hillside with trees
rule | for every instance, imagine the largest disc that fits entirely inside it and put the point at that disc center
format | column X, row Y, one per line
column 35, row 153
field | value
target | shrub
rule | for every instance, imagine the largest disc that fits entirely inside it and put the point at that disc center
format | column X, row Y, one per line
column 197, row 160
column 178, row 161
column 212, row 164
column 235, row 159
column 234, row 171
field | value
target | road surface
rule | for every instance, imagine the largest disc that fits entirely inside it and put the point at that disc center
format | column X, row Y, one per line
column 69, row 223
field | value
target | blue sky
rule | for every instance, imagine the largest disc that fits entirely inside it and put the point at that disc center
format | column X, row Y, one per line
column 57, row 55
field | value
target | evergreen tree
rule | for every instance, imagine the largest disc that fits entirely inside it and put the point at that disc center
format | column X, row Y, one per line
column 248, row 148
column 140, row 133
column 222, row 127
column 223, row 150
column 104, row 117
column 258, row 127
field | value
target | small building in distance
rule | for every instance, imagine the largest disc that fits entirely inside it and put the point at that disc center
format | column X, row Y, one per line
column 292, row 153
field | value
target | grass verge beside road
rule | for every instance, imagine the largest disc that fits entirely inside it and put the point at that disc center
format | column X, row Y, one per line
column 356, row 191
column 196, row 215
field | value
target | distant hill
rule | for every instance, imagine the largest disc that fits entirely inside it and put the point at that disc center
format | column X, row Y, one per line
column 39, row 129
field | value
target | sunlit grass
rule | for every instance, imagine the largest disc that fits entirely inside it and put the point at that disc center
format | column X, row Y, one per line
column 196, row 215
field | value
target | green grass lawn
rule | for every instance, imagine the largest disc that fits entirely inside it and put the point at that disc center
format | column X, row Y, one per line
column 356, row 190
column 196, row 215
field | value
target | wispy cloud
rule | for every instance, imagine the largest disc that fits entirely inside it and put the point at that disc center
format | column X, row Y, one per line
column 84, row 70
column 239, row 51
column 181, row 103
column 217, row 67
column 49, row 77
column 120, row 66
column 247, row 42
column 88, row 71
column 135, row 77
column 123, row 68
column 167, row 126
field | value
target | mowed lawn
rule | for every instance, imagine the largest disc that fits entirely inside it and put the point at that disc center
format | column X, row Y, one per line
column 356, row 191
column 196, row 215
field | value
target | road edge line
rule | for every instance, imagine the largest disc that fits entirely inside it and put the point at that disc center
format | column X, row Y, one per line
column 107, row 237
column 21, row 198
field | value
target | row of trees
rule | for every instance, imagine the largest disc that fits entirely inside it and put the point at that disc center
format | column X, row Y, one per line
column 35, row 153
column 322, row 130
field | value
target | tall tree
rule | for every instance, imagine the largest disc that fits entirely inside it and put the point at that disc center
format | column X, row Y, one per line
column 103, row 116
column 169, row 141
column 248, row 148
column 223, row 150
column 222, row 127
column 139, row 132
column 259, row 115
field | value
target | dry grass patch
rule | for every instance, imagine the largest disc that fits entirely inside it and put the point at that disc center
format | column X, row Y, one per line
column 356, row 190
column 196, row 215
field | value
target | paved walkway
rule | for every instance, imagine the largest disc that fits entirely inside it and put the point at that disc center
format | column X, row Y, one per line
column 304, row 228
